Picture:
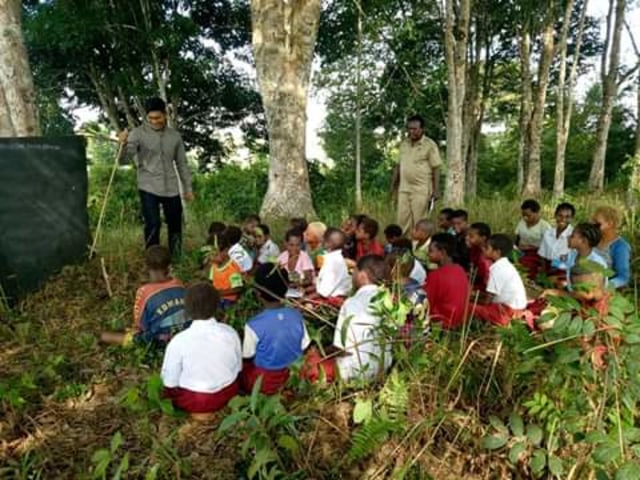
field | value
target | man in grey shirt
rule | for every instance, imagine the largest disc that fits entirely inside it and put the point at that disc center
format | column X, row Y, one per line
column 161, row 162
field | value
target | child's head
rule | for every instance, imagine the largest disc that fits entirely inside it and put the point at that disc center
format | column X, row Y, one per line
column 585, row 235
column 293, row 241
column 250, row 223
column 215, row 230
column 233, row 234
column 392, row 233
column 530, row 212
column 221, row 254
column 499, row 246
column 607, row 218
column 334, row 239
column 158, row 261
column 423, row 230
column 459, row 219
column 350, row 225
column 370, row 270
column 271, row 283
column 564, row 215
column 444, row 219
column 314, row 234
column 263, row 233
column 441, row 248
column 400, row 264
column 201, row 302
column 298, row 223
column 478, row 235
column 367, row 230
column 402, row 245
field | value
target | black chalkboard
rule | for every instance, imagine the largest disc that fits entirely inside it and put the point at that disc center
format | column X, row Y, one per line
column 43, row 210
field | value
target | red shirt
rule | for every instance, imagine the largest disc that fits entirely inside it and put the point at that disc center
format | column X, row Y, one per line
column 481, row 265
column 448, row 292
column 374, row 248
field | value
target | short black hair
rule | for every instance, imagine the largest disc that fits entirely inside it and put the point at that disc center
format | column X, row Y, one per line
column 224, row 241
column 271, row 282
column 460, row 214
column 448, row 212
column 590, row 232
column 502, row 243
column 155, row 104
column 444, row 242
column 566, row 206
column 400, row 263
column 201, row 301
column 332, row 231
column 375, row 267
column 393, row 231
column 233, row 234
column 530, row 204
column 370, row 227
column 265, row 229
column 293, row 233
column 416, row 118
column 216, row 229
column 483, row 229
column 298, row 223
column 158, row 258
column 402, row 245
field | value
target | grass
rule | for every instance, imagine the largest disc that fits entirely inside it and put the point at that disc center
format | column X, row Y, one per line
column 64, row 398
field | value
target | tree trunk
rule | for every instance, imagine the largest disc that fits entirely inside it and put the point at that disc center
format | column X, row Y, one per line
column 526, row 101
column 609, row 92
column 634, row 182
column 565, row 94
column 6, row 126
column 359, row 112
column 533, row 183
column 15, row 73
column 284, row 37
column 456, row 58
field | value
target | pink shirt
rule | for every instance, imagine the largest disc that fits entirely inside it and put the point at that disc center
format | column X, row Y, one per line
column 304, row 263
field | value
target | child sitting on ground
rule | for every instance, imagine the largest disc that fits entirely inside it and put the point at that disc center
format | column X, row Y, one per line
column 612, row 247
column 477, row 239
column 403, row 246
column 237, row 252
column 226, row 274
column 215, row 230
column 201, row 364
column 268, row 251
column 529, row 233
column 313, row 238
column 295, row 261
column 299, row 224
column 334, row 282
column 158, row 311
column 248, row 239
column 554, row 248
column 444, row 221
column 447, row 287
column 358, row 352
column 276, row 337
column 505, row 288
column 460, row 225
column 366, row 243
column 349, row 227
column 421, row 236
column 392, row 233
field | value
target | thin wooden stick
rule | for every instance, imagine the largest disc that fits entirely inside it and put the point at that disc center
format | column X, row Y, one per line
column 105, row 275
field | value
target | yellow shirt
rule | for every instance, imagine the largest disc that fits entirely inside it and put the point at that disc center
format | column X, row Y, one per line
column 416, row 164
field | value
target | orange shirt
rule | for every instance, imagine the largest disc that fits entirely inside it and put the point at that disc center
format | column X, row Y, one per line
column 227, row 277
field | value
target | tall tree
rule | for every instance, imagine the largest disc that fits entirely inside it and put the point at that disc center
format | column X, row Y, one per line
column 609, row 75
column 633, row 189
column 456, row 32
column 284, row 38
column 17, row 95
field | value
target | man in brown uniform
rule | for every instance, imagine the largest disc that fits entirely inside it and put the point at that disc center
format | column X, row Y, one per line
column 417, row 176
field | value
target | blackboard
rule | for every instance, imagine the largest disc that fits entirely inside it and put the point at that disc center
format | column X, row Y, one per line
column 44, row 223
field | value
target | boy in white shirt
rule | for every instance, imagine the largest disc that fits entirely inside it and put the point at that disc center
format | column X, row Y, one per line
column 529, row 233
column 334, row 282
column 237, row 252
column 268, row 251
column 554, row 248
column 506, row 289
column 202, row 363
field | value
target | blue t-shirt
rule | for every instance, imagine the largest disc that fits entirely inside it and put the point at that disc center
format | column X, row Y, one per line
column 280, row 333
column 159, row 311
column 618, row 257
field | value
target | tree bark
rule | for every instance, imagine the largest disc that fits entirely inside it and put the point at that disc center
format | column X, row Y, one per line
column 565, row 94
column 456, row 35
column 6, row 126
column 609, row 92
column 526, row 102
column 284, row 37
column 533, row 182
column 16, row 79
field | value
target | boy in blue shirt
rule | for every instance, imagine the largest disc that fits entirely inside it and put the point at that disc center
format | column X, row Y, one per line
column 276, row 337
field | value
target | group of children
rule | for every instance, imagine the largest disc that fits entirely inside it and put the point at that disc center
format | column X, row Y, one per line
column 458, row 270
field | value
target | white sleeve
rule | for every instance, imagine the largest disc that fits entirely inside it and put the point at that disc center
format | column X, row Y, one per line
column 250, row 342
column 494, row 283
column 171, row 365
column 306, row 340
column 327, row 279
column 543, row 251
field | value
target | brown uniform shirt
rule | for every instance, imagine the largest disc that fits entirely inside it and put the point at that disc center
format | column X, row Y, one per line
column 417, row 162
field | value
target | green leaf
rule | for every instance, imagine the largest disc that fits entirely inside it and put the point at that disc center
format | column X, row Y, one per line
column 516, row 424
column 497, row 423
column 606, row 453
column 596, row 436
column 262, row 457
column 152, row 474
column 534, row 434
column 230, row 421
column 288, row 443
column 628, row 471
column 122, row 468
column 516, row 452
column 255, row 394
column 154, row 388
column 538, row 461
column 494, row 442
column 555, row 465
column 116, row 442
column 589, row 328
column 362, row 411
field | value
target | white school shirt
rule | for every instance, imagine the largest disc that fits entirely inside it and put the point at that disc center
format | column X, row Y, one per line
column 241, row 257
column 204, row 358
column 506, row 285
column 531, row 236
column 553, row 248
column 418, row 273
column 333, row 279
column 357, row 325
column 269, row 252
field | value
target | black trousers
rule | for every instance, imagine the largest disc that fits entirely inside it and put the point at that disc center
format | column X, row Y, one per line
column 172, row 209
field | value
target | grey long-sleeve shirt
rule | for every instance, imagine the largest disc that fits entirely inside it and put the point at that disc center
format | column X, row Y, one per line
column 154, row 153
